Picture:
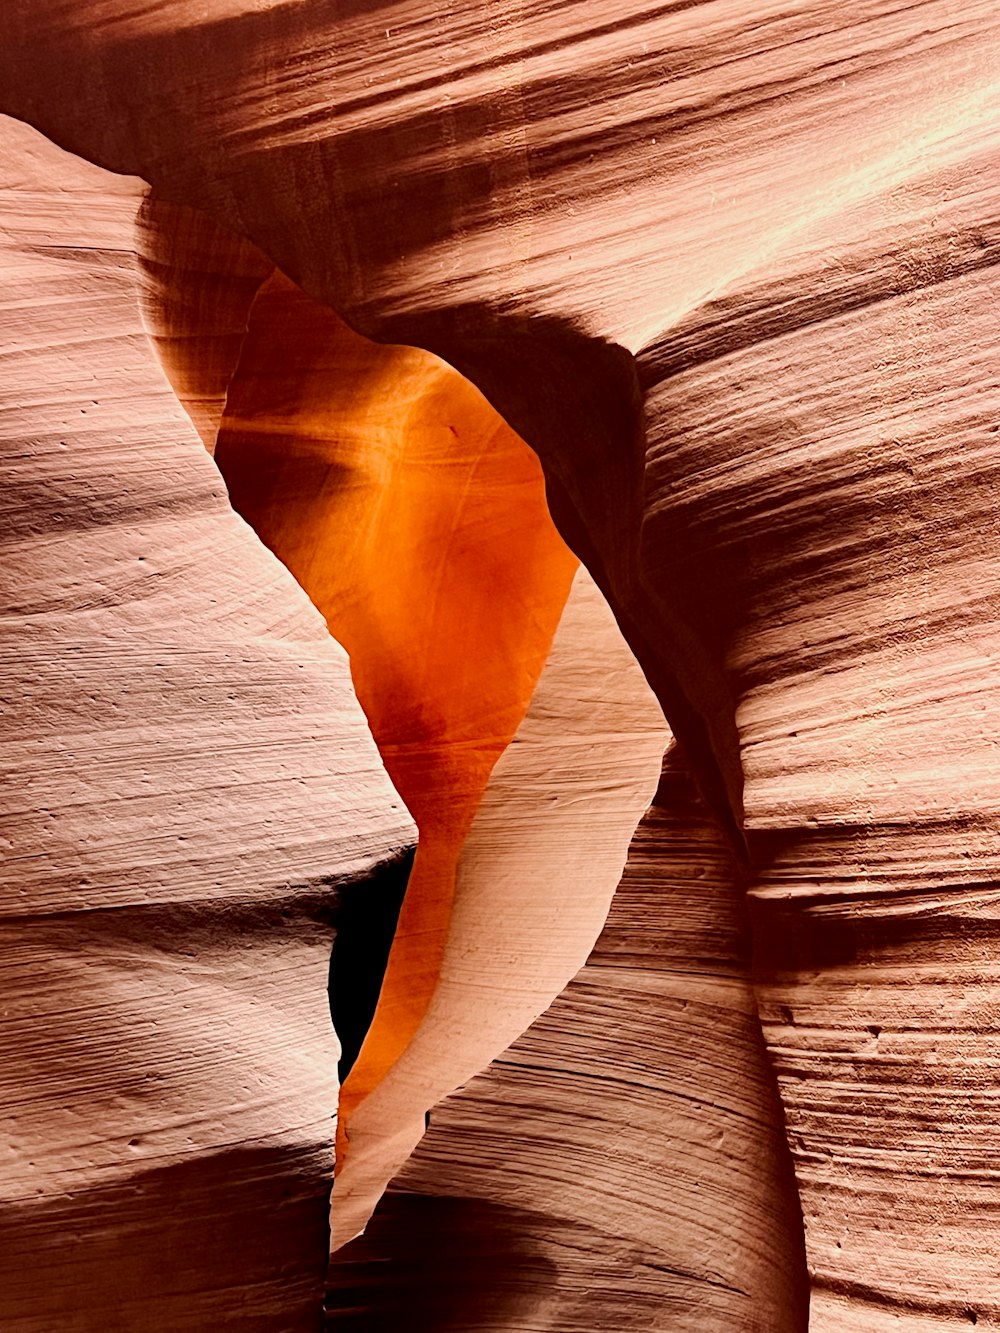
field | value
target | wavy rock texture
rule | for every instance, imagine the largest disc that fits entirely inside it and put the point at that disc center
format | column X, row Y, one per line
column 729, row 268
column 530, row 209
column 177, row 839
column 591, row 713
column 416, row 520
column 623, row 1165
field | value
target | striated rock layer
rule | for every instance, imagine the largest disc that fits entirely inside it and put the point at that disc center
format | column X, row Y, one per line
column 173, row 1220
column 729, row 269
column 623, row 1165
column 416, row 520
column 176, row 839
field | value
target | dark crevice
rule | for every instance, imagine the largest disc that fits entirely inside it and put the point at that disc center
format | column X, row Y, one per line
column 366, row 926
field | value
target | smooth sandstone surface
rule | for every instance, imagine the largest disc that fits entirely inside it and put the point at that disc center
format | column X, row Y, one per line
column 533, row 886
column 729, row 268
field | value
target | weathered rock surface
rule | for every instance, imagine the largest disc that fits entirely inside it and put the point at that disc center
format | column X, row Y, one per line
column 416, row 521
column 189, row 789
column 623, row 1165
column 730, row 269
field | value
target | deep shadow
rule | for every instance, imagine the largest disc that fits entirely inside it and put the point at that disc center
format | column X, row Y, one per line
column 229, row 1240
column 430, row 1264
column 842, row 900
column 366, row 917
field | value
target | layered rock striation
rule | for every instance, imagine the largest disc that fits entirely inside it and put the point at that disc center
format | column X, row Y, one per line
column 728, row 269
column 177, row 841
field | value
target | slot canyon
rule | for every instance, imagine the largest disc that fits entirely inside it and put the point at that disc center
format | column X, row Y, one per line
column 499, row 666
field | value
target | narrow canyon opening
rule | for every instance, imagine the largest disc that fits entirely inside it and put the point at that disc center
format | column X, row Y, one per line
column 502, row 695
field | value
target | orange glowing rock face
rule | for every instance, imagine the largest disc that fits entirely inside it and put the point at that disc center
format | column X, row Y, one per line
column 416, row 521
